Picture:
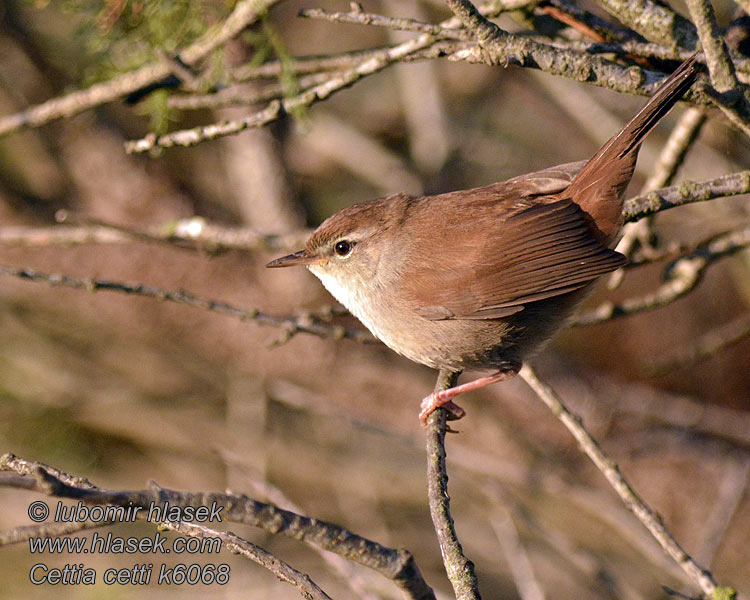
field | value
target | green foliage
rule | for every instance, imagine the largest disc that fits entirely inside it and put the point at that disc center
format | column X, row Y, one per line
column 287, row 78
column 724, row 593
column 121, row 35
column 158, row 111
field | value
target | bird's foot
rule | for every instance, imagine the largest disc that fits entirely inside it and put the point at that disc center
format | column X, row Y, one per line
column 444, row 398
column 439, row 400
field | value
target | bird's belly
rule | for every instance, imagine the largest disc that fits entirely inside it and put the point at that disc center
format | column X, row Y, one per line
column 453, row 344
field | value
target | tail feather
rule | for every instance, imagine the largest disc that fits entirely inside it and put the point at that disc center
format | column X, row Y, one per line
column 599, row 186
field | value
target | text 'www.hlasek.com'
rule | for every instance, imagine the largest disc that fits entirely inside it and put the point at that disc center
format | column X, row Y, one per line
column 146, row 570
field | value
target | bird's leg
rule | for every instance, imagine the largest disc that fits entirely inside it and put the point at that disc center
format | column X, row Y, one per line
column 444, row 398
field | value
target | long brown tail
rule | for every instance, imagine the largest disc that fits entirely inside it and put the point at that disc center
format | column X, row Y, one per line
column 599, row 186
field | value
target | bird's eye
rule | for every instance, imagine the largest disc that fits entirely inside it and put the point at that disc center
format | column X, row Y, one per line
column 343, row 247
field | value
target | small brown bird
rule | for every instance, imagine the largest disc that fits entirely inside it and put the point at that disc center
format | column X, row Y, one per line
column 483, row 277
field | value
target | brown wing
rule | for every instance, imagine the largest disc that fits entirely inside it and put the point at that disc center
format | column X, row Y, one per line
column 530, row 255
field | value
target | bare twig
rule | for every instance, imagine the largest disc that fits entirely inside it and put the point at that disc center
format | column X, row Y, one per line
column 365, row 64
column 611, row 472
column 215, row 238
column 460, row 570
column 719, row 63
column 278, row 108
column 706, row 345
column 671, row 157
column 245, row 13
column 194, row 233
column 237, row 545
column 686, row 193
column 292, row 325
column 397, row 565
column 240, row 95
column 516, row 556
column 395, row 23
column 680, row 278
column 24, row 533
column 304, row 65
column 729, row 96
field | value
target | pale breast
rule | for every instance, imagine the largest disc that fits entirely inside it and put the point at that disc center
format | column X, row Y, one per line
column 437, row 344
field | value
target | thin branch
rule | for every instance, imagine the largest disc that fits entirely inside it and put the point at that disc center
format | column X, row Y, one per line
column 279, row 108
column 240, row 96
column 720, row 66
column 244, row 14
column 194, row 233
column 644, row 50
column 210, row 237
column 675, row 149
column 681, row 277
column 24, row 533
column 292, row 325
column 237, row 545
column 396, row 565
column 686, row 193
column 460, row 570
column 304, row 65
column 316, row 64
column 394, row 23
column 672, row 155
column 495, row 47
column 703, row 578
column 706, row 345
column 516, row 556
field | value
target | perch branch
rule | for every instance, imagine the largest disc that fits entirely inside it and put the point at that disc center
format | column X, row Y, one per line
column 460, row 569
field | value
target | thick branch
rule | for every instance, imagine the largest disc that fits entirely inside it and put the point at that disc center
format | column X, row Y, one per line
column 729, row 94
column 397, row 565
column 655, row 21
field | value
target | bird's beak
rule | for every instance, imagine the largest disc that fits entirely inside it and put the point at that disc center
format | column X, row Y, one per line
column 292, row 260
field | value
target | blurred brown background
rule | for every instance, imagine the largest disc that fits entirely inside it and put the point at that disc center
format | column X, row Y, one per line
column 123, row 390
